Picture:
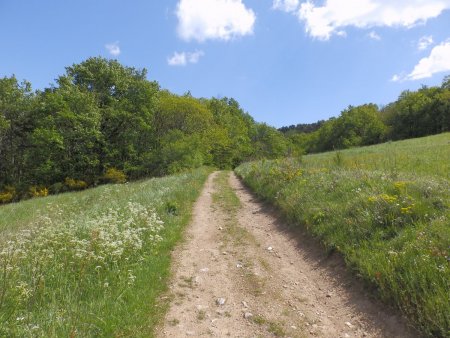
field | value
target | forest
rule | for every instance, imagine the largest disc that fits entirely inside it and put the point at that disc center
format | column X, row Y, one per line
column 105, row 122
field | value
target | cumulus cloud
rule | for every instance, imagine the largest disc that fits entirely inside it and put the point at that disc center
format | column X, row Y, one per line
column 332, row 16
column 438, row 61
column 214, row 19
column 288, row 6
column 184, row 58
column 374, row 36
column 425, row 42
column 113, row 48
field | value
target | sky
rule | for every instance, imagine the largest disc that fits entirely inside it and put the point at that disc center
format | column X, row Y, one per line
column 284, row 61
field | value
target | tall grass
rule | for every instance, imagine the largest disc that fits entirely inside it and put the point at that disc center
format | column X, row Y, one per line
column 391, row 223
column 91, row 263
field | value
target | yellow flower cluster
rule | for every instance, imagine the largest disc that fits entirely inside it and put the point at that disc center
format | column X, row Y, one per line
column 407, row 210
column 7, row 195
column 384, row 197
column 75, row 184
column 35, row 191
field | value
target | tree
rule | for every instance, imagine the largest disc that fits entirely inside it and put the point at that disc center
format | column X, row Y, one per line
column 127, row 103
column 230, row 136
column 268, row 142
column 67, row 137
column 16, row 121
column 358, row 126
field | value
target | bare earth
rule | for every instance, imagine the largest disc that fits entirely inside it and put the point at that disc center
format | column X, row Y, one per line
column 273, row 282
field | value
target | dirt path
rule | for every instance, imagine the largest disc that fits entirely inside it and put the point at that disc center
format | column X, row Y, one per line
column 240, row 273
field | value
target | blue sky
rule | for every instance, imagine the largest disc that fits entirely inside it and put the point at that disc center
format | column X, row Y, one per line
column 285, row 61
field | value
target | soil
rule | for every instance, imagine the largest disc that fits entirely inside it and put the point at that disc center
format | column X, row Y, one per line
column 246, row 274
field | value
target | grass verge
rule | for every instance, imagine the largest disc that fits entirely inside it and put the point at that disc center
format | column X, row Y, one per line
column 92, row 263
column 391, row 225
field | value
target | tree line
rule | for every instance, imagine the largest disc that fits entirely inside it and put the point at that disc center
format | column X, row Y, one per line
column 414, row 114
column 103, row 121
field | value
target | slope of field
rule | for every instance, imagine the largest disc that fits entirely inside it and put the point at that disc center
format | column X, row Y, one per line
column 385, row 208
column 91, row 263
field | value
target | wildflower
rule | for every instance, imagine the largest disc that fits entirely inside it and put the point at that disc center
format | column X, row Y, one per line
column 406, row 210
column 400, row 185
column 388, row 198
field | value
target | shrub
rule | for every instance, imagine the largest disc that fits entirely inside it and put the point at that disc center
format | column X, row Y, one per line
column 36, row 191
column 57, row 188
column 114, row 175
column 8, row 194
column 74, row 184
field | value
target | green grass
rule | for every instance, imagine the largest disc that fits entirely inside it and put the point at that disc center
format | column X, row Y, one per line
column 92, row 263
column 225, row 195
column 421, row 156
column 385, row 208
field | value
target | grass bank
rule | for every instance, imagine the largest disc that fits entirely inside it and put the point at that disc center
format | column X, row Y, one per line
column 385, row 208
column 92, row 263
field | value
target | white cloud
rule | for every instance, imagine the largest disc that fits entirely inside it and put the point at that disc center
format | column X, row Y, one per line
column 184, row 58
column 437, row 62
column 425, row 42
column 113, row 48
column 374, row 36
column 288, row 6
column 396, row 78
column 326, row 20
column 214, row 19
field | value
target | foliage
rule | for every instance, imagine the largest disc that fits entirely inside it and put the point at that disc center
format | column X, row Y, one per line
column 420, row 113
column 114, row 175
column 102, row 114
column 7, row 195
column 74, row 184
column 36, row 191
column 302, row 127
column 389, row 220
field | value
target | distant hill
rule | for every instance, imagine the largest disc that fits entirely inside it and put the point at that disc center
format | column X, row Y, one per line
column 303, row 127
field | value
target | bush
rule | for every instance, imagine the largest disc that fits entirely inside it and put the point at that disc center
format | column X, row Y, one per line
column 114, row 175
column 8, row 194
column 36, row 191
column 74, row 184
column 58, row 188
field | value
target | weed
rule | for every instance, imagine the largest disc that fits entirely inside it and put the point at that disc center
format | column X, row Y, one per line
column 276, row 329
column 201, row 315
column 260, row 320
column 174, row 322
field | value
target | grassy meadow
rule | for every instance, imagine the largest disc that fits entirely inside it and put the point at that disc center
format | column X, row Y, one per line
column 92, row 263
column 385, row 208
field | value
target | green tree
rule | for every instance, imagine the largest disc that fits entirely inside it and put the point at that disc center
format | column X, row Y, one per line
column 230, row 137
column 67, row 136
column 16, row 121
column 358, row 126
column 127, row 103
column 268, row 142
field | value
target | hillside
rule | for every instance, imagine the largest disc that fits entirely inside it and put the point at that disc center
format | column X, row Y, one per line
column 385, row 208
